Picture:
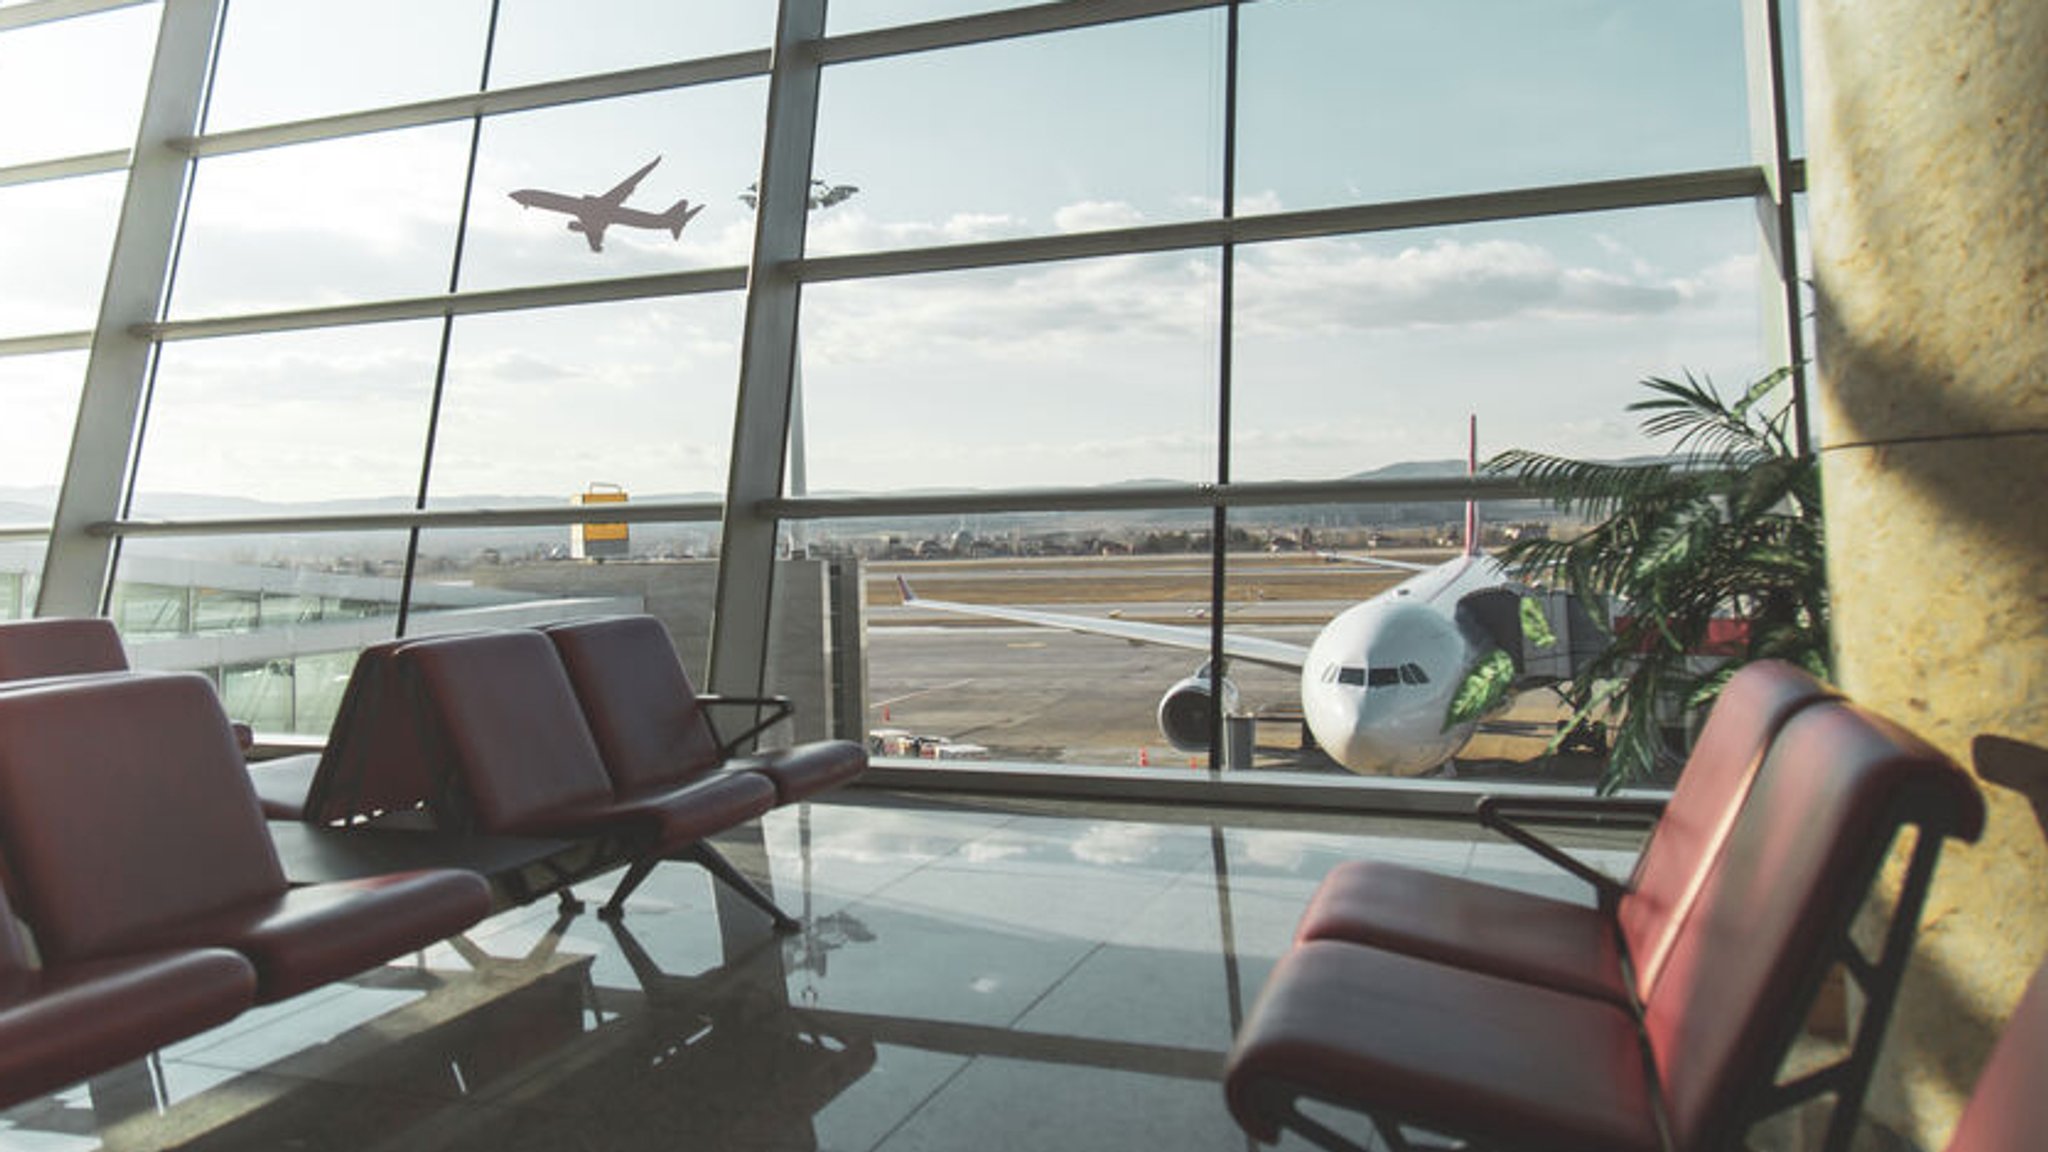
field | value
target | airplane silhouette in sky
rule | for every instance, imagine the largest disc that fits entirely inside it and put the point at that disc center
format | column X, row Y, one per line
column 593, row 214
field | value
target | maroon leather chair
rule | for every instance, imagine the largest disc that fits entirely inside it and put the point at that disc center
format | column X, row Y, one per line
column 656, row 732
column 1411, row 1041
column 1616, row 949
column 60, row 646
column 2008, row 1111
column 503, row 729
column 128, row 824
column 60, row 1024
column 76, row 646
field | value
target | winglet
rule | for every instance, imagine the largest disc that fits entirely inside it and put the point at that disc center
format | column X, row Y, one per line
column 1472, row 469
column 903, row 588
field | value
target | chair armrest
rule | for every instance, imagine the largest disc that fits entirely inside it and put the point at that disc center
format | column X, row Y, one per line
column 779, row 709
column 1501, row 814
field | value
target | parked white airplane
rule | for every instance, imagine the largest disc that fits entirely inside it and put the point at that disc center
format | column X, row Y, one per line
column 1377, row 682
column 593, row 214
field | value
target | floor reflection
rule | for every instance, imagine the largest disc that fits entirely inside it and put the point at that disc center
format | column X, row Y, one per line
column 969, row 974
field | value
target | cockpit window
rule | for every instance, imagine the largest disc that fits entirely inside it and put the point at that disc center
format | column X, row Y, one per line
column 1413, row 674
column 1382, row 677
column 1353, row 675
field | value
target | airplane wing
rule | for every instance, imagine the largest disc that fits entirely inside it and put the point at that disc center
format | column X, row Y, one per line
column 1251, row 649
column 1376, row 561
column 617, row 196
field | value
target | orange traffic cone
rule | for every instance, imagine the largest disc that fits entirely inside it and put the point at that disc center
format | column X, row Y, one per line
column 1144, row 758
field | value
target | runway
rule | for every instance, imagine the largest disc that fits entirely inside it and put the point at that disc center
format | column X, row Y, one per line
column 1039, row 695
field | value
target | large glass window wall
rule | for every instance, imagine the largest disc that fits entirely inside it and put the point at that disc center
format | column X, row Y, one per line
column 1043, row 326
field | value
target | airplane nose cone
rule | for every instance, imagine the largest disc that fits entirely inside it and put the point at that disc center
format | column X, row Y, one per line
column 1385, row 716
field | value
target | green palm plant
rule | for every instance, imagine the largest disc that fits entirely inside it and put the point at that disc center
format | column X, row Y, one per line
column 1728, row 526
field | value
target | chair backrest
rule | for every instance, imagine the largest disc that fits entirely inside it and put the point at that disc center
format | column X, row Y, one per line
column 124, row 807
column 1836, row 787
column 1752, row 708
column 502, row 721
column 374, row 760
column 2008, row 1111
column 638, row 701
column 60, row 646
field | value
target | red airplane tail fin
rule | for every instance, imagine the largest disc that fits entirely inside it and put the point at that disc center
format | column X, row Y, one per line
column 1472, row 469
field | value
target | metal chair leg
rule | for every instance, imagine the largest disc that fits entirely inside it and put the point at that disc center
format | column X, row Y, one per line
column 722, row 868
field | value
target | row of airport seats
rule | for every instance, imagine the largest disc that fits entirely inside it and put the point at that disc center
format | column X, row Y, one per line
column 1664, row 1015
column 589, row 730
column 137, row 857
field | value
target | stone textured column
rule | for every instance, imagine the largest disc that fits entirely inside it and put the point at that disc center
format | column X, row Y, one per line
column 1927, row 129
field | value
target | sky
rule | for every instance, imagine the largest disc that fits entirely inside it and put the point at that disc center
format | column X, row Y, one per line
column 1350, row 353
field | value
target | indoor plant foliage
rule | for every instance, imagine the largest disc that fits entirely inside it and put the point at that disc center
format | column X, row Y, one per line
column 1728, row 527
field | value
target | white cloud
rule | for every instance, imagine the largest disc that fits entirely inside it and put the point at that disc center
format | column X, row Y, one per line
column 1096, row 216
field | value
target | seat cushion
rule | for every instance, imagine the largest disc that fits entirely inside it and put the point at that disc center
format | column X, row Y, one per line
column 663, row 821
column 305, row 937
column 806, row 769
column 1484, row 927
column 1455, row 1051
column 60, row 1026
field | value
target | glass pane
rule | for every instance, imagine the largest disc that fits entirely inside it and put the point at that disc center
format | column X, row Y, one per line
column 39, row 395
column 84, row 79
column 289, row 422
column 1068, row 132
column 533, row 579
column 1348, row 101
column 274, row 621
column 553, row 39
column 1374, row 698
column 1090, row 372
column 21, row 573
column 1364, row 356
column 286, row 60
column 55, row 237
column 333, row 222
column 704, row 147
column 1795, row 78
column 541, row 405
column 947, row 684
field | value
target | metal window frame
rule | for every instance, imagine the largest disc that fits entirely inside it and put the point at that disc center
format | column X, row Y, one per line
column 131, row 326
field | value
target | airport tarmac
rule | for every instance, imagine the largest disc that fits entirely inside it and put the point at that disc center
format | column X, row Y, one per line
column 1039, row 695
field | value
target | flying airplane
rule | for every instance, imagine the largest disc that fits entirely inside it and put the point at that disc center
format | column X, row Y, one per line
column 593, row 214
column 1378, row 680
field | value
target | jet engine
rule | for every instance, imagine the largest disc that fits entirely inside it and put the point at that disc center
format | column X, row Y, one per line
column 1184, row 710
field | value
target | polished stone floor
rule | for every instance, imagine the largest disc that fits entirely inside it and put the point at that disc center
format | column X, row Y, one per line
column 972, row 974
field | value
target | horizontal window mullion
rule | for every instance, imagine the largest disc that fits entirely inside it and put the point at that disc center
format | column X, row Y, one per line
column 1006, row 24
column 1155, row 496
column 545, row 516
column 553, row 93
column 64, row 167
column 49, row 342
column 458, row 304
column 1433, row 212
column 47, row 11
